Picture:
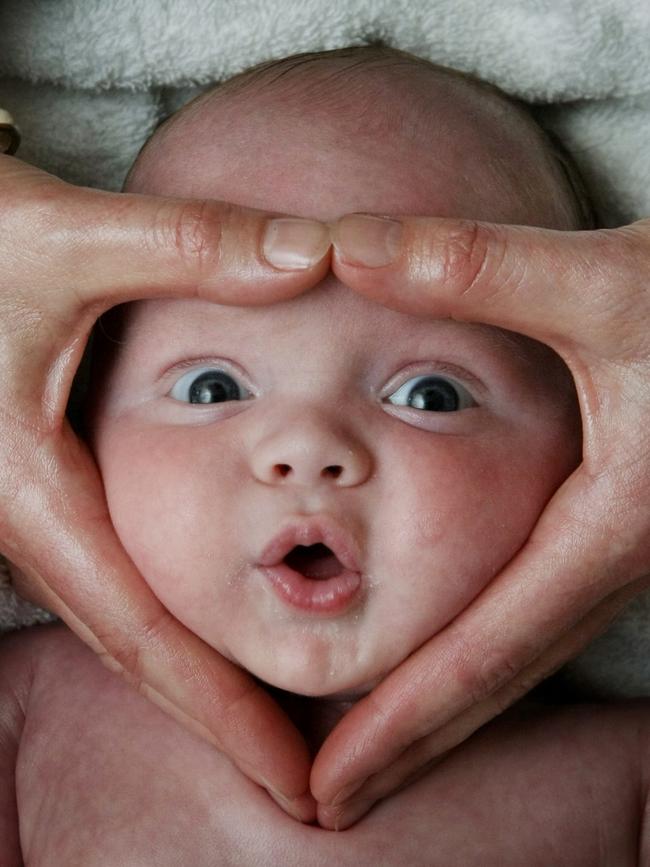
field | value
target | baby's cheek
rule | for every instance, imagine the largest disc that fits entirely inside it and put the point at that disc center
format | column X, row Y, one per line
column 457, row 522
column 167, row 497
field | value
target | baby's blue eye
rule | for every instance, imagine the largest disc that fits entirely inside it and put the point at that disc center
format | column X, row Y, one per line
column 432, row 394
column 209, row 385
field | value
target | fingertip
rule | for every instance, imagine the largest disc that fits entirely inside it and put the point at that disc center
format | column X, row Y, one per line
column 295, row 244
column 303, row 808
column 342, row 817
column 367, row 240
column 346, row 793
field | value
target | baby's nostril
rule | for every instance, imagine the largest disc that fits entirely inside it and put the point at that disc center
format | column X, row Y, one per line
column 283, row 469
column 334, row 471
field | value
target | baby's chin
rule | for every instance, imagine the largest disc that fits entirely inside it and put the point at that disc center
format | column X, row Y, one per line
column 310, row 681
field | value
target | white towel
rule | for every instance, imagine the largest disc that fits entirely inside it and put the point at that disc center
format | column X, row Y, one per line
column 87, row 81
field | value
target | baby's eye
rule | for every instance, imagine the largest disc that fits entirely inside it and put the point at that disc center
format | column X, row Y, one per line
column 207, row 385
column 433, row 394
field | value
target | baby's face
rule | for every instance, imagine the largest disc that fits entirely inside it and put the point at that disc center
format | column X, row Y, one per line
column 317, row 487
column 348, row 481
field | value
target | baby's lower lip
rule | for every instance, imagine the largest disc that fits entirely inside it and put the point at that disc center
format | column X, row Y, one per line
column 317, row 595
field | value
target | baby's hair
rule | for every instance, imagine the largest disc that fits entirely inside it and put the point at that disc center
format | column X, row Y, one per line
column 381, row 55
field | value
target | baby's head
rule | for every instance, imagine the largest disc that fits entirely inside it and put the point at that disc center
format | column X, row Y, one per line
column 318, row 486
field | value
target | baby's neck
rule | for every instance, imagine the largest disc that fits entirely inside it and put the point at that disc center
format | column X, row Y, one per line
column 313, row 717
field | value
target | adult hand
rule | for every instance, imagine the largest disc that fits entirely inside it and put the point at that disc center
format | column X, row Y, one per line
column 67, row 254
column 587, row 295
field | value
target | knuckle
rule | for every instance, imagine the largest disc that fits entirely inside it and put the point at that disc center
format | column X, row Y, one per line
column 195, row 232
column 470, row 252
column 481, row 681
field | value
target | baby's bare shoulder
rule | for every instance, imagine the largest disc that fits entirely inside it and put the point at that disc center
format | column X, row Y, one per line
column 19, row 662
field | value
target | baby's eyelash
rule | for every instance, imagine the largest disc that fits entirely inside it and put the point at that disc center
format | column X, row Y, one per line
column 168, row 374
column 438, row 368
column 186, row 364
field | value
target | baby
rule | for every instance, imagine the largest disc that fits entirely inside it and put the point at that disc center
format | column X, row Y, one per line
column 315, row 488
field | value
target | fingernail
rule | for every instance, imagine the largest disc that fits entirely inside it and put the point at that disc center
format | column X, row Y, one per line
column 362, row 239
column 293, row 244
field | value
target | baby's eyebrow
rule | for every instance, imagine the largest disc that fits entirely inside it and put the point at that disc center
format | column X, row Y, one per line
column 509, row 341
column 534, row 358
column 490, row 337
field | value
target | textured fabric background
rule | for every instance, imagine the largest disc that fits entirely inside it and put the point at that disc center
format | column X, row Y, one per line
column 89, row 79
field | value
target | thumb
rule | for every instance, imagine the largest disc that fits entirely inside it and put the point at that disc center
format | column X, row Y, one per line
column 554, row 286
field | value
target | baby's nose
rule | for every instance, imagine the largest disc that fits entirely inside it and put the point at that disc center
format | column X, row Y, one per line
column 308, row 454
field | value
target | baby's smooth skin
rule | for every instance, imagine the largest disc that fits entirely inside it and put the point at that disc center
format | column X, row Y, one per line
column 318, row 466
column 413, row 455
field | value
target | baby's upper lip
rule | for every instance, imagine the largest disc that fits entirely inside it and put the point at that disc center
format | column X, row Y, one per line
column 311, row 531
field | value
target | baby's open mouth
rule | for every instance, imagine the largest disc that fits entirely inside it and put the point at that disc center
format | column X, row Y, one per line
column 313, row 566
column 314, row 561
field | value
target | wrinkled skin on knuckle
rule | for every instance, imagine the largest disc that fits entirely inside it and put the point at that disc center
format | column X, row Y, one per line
column 482, row 674
column 467, row 254
column 458, row 259
column 195, row 233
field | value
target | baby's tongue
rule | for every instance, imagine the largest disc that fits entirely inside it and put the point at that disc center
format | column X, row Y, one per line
column 314, row 561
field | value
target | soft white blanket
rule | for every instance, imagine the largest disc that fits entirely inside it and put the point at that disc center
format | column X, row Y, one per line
column 87, row 81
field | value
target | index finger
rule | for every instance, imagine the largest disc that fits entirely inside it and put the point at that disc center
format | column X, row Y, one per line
column 107, row 248
column 551, row 285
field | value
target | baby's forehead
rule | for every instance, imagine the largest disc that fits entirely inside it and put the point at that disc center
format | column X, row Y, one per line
column 328, row 315
column 327, row 335
column 333, row 137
